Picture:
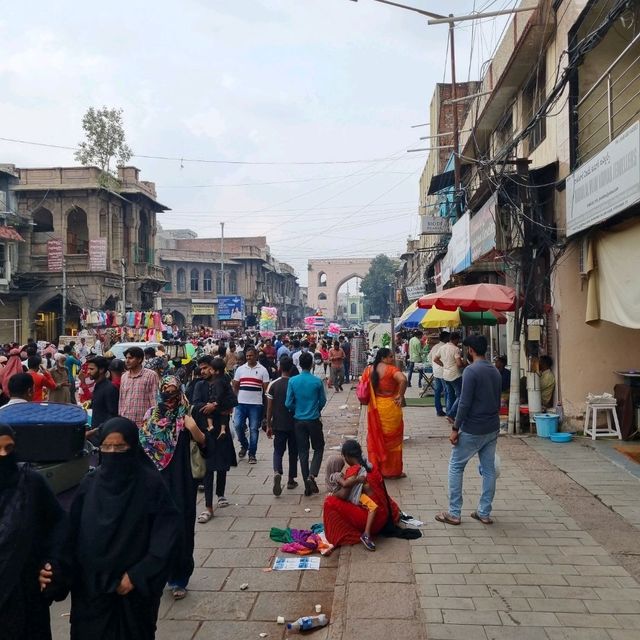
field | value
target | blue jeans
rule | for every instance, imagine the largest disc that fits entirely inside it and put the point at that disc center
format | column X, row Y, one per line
column 454, row 389
column 253, row 412
column 439, row 388
column 468, row 445
column 347, row 369
column 410, row 371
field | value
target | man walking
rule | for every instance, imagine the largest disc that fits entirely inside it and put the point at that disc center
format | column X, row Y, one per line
column 249, row 382
column 415, row 356
column 345, row 345
column 306, row 399
column 439, row 387
column 475, row 430
column 450, row 359
column 104, row 401
column 138, row 387
column 280, row 426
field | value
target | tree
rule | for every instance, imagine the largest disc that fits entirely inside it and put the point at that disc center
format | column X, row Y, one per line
column 105, row 140
column 376, row 285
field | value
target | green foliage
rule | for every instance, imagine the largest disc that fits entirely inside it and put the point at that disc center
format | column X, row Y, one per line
column 376, row 285
column 105, row 143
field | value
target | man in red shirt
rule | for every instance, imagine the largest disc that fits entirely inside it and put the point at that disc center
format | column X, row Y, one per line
column 41, row 378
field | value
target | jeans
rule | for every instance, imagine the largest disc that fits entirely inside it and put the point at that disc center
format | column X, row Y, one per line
column 454, row 388
column 468, row 445
column 439, row 388
column 309, row 432
column 221, row 485
column 252, row 412
column 283, row 440
column 410, row 368
column 347, row 369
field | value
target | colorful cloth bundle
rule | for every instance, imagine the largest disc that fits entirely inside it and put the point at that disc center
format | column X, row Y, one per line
column 268, row 317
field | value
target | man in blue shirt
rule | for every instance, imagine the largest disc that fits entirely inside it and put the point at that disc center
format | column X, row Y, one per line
column 475, row 430
column 306, row 399
column 283, row 350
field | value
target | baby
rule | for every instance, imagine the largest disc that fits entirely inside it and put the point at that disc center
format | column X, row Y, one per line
column 351, row 484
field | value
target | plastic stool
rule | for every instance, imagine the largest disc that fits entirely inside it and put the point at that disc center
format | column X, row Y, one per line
column 593, row 429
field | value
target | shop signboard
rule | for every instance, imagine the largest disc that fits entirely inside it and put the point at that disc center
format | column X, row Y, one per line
column 98, row 254
column 482, row 229
column 203, row 307
column 414, row 291
column 606, row 184
column 434, row 225
column 55, row 256
column 458, row 256
column 230, row 308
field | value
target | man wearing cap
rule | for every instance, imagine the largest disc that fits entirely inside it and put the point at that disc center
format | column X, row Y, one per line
column 475, row 430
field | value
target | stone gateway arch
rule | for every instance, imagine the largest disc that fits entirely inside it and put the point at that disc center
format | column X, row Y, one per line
column 327, row 276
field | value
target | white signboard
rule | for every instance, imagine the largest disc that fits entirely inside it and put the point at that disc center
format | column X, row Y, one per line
column 414, row 291
column 458, row 255
column 606, row 184
column 435, row 225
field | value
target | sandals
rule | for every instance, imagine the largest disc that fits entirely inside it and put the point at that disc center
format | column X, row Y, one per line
column 447, row 518
column 178, row 593
column 204, row 517
column 476, row 516
column 222, row 502
column 368, row 543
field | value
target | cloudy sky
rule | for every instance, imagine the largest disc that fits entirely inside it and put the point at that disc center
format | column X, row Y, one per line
column 311, row 103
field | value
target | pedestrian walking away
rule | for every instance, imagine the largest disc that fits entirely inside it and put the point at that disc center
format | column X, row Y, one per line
column 306, row 399
column 281, row 427
column 138, row 387
column 450, row 359
column 475, row 431
column 415, row 356
column 249, row 383
column 336, row 356
column 439, row 386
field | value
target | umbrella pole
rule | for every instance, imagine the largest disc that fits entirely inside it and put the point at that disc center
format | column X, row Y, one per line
column 514, row 392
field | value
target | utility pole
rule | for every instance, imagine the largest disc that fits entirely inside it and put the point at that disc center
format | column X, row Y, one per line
column 456, row 128
column 222, row 259
column 64, row 295
column 123, row 264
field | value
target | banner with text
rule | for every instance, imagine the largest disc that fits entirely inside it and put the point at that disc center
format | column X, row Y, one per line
column 55, row 255
column 230, row 308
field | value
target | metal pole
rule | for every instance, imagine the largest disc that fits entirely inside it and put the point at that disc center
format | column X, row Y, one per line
column 123, row 264
column 222, row 259
column 64, row 295
column 454, row 97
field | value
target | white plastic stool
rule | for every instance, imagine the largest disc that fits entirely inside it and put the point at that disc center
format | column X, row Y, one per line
column 593, row 429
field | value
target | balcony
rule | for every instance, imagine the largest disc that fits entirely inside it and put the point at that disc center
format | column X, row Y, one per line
column 611, row 103
column 149, row 271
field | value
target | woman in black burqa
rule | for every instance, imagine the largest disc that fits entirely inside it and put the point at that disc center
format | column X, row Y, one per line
column 124, row 527
column 33, row 528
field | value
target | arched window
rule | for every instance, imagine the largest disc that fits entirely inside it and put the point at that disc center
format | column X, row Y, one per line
column 167, row 276
column 206, row 280
column 354, row 309
column 233, row 283
column 181, row 283
column 322, row 296
column 195, row 279
column 43, row 220
column 322, row 279
column 144, row 234
column 77, row 232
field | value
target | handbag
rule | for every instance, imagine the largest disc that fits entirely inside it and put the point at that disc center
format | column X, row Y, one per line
column 363, row 391
column 198, row 466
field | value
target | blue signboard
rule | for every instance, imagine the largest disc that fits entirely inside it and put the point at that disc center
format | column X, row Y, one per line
column 230, row 308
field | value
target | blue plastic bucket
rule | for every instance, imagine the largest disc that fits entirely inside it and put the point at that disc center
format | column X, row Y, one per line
column 546, row 424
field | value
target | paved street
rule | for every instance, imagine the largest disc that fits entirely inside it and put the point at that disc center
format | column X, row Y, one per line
column 558, row 564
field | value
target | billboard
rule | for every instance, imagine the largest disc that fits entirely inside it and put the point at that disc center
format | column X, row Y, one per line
column 230, row 308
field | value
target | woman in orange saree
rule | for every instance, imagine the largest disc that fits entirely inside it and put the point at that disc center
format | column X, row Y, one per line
column 384, row 414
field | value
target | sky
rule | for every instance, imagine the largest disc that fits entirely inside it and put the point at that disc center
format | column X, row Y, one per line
column 303, row 109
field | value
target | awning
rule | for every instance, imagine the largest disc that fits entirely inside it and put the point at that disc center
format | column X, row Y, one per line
column 441, row 181
column 9, row 233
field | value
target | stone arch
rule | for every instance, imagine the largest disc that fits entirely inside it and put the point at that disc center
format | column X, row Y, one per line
column 178, row 318
column 337, row 272
column 181, row 280
column 194, row 279
column 43, row 220
column 77, row 231
column 322, row 296
column 322, row 279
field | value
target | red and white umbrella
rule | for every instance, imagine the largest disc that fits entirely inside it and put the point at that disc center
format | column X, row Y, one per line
column 472, row 297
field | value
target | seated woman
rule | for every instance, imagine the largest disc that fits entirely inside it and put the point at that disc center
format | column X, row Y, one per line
column 344, row 521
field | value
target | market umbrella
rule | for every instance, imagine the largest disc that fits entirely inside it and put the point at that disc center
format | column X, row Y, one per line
column 472, row 297
column 433, row 318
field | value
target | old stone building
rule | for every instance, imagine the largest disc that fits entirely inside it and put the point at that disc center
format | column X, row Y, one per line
column 193, row 272
column 101, row 234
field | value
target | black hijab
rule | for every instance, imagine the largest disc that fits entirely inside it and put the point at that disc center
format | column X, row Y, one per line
column 16, row 526
column 113, row 508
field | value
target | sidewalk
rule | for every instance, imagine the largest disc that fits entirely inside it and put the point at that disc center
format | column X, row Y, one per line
column 558, row 564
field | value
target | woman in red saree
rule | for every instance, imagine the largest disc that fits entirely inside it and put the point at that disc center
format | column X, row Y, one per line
column 344, row 521
column 385, row 426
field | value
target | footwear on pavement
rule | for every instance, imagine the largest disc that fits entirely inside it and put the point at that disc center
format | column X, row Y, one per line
column 307, row 488
column 242, row 453
column 367, row 542
column 292, row 484
column 205, row 516
column 277, row 484
column 252, row 460
column 222, row 502
column 447, row 518
column 314, row 485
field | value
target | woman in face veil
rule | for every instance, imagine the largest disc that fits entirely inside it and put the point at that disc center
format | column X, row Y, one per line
column 33, row 528
column 124, row 527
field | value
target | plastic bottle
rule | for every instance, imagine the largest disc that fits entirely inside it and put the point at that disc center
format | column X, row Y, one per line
column 307, row 623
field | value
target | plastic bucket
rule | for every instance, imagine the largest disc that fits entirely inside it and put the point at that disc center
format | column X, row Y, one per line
column 546, row 424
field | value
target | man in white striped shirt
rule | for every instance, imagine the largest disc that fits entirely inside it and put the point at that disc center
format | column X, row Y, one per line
column 249, row 383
